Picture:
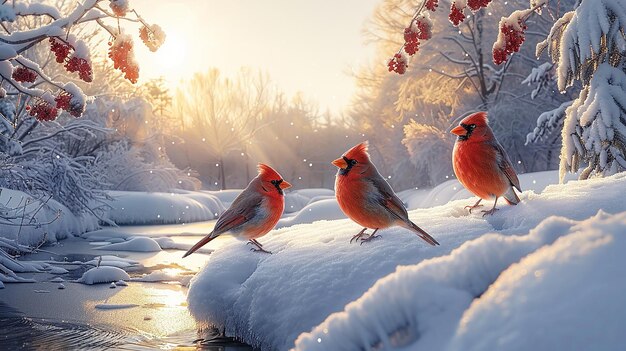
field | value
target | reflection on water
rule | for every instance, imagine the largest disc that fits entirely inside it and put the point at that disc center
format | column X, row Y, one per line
column 22, row 333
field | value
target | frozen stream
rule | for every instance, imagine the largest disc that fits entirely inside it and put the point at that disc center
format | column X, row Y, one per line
column 140, row 316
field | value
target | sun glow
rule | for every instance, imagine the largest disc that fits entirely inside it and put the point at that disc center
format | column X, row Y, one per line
column 168, row 61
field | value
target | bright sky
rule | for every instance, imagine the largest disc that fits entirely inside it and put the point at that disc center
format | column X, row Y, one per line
column 305, row 45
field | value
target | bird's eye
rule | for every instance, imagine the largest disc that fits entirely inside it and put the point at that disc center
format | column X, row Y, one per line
column 472, row 126
column 273, row 182
column 353, row 162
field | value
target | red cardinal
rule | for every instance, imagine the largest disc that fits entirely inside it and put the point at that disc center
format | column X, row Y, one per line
column 366, row 197
column 254, row 212
column 481, row 164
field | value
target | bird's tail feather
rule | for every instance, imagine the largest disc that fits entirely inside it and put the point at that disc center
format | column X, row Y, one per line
column 511, row 197
column 200, row 243
column 422, row 234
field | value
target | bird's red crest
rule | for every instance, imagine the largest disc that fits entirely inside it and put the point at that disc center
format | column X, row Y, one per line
column 268, row 173
column 478, row 118
column 359, row 152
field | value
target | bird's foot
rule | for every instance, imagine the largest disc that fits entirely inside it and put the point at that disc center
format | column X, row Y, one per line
column 470, row 208
column 260, row 249
column 369, row 238
column 490, row 212
column 259, row 246
column 358, row 236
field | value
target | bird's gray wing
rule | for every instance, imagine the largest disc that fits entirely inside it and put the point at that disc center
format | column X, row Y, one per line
column 505, row 165
column 241, row 211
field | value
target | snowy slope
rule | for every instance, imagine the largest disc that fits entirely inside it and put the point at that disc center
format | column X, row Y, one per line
column 562, row 295
column 135, row 208
column 270, row 300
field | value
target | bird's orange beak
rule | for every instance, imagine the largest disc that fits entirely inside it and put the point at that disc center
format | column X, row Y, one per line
column 340, row 162
column 458, row 130
column 285, row 185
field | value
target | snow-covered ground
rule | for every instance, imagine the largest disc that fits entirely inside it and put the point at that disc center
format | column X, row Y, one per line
column 544, row 274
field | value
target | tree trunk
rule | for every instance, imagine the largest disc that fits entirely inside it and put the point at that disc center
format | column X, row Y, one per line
column 222, row 173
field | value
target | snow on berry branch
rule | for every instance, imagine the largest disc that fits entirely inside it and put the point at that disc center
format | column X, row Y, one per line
column 46, row 96
column 510, row 38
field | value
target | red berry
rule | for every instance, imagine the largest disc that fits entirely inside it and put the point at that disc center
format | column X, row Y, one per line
column 43, row 111
column 80, row 65
column 475, row 5
column 119, row 8
column 152, row 37
column 423, row 28
column 64, row 102
column 513, row 39
column 397, row 64
column 23, row 74
column 123, row 59
column 60, row 48
column 456, row 15
column 432, row 4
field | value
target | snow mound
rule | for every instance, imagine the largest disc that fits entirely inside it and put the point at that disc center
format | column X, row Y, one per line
column 269, row 300
column 103, row 275
column 113, row 261
column 296, row 200
column 327, row 209
column 131, row 208
column 226, row 197
column 564, row 296
column 137, row 244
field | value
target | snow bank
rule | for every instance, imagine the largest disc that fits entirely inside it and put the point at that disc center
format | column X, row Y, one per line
column 135, row 208
column 269, row 300
column 137, row 244
column 424, row 302
column 32, row 220
column 105, row 274
column 327, row 209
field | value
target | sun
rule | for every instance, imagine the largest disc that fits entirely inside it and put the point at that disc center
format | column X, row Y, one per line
column 168, row 61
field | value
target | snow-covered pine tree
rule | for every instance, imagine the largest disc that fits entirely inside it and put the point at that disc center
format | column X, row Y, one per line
column 587, row 44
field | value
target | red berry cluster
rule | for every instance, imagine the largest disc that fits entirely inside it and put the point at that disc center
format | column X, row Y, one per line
column 80, row 65
column 43, row 111
column 475, row 5
column 398, row 64
column 150, row 38
column 411, row 41
column 513, row 40
column 456, row 15
column 23, row 74
column 120, row 54
column 420, row 29
column 60, row 48
column 119, row 8
column 64, row 101
column 431, row 4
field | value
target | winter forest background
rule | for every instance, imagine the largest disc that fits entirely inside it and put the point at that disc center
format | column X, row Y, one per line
column 98, row 157
column 214, row 130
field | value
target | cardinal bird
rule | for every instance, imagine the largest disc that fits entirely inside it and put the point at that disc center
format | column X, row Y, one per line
column 481, row 164
column 366, row 197
column 254, row 212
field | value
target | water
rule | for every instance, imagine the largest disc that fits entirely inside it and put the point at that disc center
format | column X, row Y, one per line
column 39, row 316
column 22, row 333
